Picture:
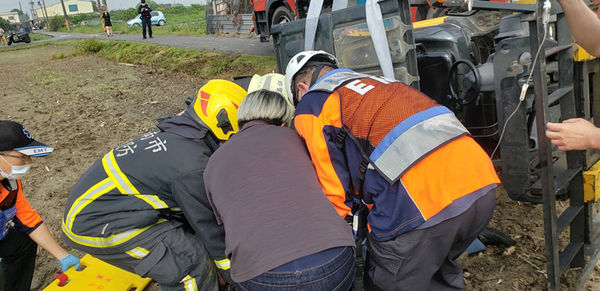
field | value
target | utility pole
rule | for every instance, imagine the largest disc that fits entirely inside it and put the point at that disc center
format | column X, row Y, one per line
column 26, row 18
column 33, row 16
column 46, row 12
column 62, row 2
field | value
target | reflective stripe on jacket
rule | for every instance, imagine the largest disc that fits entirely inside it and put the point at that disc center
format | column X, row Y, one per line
column 143, row 188
column 422, row 158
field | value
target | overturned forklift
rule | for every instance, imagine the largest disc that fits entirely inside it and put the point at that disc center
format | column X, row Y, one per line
column 505, row 70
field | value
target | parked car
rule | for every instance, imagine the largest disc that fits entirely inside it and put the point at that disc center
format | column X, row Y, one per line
column 158, row 18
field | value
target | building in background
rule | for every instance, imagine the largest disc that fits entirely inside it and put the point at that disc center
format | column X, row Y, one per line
column 73, row 7
column 12, row 17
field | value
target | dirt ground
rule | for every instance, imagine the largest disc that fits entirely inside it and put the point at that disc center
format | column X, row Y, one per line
column 85, row 105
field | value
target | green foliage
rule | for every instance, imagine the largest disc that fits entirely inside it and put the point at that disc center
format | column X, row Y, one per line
column 77, row 18
column 124, row 14
column 56, row 22
column 18, row 11
column 90, row 46
column 204, row 64
column 4, row 24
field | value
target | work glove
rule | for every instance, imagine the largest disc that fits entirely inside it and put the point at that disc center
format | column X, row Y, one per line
column 68, row 262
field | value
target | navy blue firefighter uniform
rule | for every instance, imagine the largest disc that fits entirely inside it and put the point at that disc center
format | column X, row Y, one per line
column 142, row 207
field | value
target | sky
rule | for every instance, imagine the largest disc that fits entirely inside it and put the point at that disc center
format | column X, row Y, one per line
column 8, row 5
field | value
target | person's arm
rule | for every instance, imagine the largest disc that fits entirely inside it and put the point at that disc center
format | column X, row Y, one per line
column 334, row 180
column 584, row 24
column 30, row 222
column 189, row 193
column 42, row 236
column 574, row 134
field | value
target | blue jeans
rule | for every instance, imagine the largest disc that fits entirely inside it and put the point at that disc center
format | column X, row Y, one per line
column 335, row 274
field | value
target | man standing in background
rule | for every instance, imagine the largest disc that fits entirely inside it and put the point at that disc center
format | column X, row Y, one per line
column 144, row 11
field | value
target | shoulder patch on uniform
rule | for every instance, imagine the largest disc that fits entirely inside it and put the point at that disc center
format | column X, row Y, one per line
column 330, row 83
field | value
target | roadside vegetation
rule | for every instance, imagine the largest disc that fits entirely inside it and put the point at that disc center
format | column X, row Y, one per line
column 188, row 20
column 198, row 63
column 39, row 36
column 203, row 64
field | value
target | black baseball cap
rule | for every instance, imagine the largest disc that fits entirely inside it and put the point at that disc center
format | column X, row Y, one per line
column 14, row 137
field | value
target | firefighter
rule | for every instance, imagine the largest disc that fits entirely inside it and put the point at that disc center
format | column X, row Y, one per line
column 142, row 207
column 21, row 227
column 424, row 186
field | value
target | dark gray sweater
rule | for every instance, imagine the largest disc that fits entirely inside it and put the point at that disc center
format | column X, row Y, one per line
column 264, row 190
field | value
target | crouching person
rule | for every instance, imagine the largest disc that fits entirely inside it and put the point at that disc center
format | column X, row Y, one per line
column 281, row 230
column 142, row 206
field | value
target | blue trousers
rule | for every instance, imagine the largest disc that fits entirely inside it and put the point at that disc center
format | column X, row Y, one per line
column 146, row 23
column 334, row 274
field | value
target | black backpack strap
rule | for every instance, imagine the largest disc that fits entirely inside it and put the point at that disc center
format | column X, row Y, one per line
column 363, row 210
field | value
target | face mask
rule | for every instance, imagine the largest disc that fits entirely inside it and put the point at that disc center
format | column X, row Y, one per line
column 16, row 172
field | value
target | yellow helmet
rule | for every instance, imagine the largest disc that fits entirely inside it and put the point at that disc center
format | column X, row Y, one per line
column 271, row 82
column 216, row 106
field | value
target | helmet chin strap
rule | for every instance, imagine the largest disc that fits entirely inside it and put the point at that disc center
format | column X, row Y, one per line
column 315, row 75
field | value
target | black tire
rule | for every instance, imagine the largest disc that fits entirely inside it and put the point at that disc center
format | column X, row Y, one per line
column 161, row 23
column 492, row 236
column 28, row 40
column 281, row 15
column 10, row 41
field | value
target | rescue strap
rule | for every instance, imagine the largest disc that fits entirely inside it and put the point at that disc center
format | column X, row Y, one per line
column 363, row 211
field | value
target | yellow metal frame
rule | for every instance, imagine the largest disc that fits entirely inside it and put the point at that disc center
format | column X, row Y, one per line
column 429, row 22
column 581, row 55
column 591, row 183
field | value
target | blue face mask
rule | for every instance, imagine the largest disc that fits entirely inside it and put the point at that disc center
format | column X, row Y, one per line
column 16, row 172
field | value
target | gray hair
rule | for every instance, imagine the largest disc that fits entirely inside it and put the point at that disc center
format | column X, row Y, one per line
column 267, row 106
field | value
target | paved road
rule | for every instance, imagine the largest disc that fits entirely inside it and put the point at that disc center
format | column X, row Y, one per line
column 236, row 45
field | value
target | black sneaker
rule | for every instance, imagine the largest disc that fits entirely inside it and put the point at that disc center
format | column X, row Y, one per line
column 144, row 37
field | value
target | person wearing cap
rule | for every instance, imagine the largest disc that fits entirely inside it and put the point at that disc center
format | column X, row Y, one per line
column 282, row 233
column 421, row 187
column 21, row 227
column 144, row 12
column 142, row 206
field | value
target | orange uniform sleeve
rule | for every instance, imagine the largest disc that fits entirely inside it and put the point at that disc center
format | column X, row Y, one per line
column 26, row 215
column 311, row 128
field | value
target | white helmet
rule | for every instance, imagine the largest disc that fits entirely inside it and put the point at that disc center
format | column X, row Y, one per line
column 299, row 61
column 271, row 82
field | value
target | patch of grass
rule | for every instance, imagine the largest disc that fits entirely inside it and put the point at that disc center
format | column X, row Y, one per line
column 60, row 56
column 203, row 64
column 39, row 36
column 190, row 20
column 35, row 45
column 122, row 28
column 90, row 46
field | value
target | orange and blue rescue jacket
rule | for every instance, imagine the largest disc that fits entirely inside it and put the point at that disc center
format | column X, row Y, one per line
column 25, row 219
column 421, row 159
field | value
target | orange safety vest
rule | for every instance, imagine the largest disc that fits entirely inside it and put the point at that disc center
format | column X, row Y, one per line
column 419, row 157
